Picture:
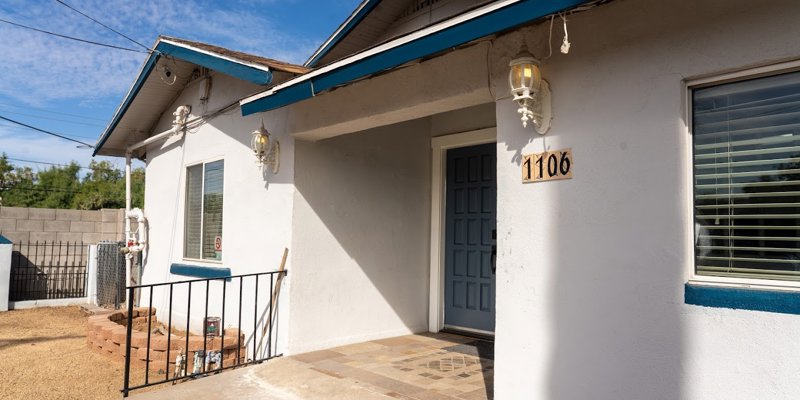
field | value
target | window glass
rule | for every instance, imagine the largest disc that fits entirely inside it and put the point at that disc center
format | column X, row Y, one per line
column 747, row 178
column 203, row 215
column 212, row 211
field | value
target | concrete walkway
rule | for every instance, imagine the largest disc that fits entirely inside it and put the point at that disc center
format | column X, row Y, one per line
column 427, row 366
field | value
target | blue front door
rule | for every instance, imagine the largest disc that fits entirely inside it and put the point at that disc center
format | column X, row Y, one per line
column 470, row 236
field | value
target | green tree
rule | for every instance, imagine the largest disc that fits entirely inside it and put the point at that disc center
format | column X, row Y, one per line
column 6, row 172
column 137, row 188
column 17, row 185
column 102, row 187
column 62, row 186
column 59, row 185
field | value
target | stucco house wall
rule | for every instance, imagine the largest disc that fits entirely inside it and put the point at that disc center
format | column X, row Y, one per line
column 591, row 271
column 257, row 206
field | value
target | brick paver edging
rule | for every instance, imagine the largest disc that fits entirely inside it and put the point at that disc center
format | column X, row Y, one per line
column 106, row 334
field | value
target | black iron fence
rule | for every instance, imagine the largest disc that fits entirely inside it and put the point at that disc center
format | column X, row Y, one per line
column 168, row 352
column 48, row 270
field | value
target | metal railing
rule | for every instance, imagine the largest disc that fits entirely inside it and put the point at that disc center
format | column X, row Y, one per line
column 256, row 348
column 48, row 270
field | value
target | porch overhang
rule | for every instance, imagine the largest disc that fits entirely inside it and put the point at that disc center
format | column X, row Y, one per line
column 484, row 21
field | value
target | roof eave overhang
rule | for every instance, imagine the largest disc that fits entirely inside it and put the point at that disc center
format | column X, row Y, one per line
column 484, row 21
column 259, row 75
column 351, row 22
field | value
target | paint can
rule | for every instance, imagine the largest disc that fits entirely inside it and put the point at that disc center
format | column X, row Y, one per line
column 212, row 326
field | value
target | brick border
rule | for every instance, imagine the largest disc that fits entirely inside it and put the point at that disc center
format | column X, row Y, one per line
column 106, row 334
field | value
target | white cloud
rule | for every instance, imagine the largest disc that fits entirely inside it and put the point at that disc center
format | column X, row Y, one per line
column 38, row 68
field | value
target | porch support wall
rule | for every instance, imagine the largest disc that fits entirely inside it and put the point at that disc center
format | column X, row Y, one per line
column 591, row 270
column 360, row 237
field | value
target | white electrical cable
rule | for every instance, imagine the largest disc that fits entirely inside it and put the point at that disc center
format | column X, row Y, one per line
column 550, row 38
column 566, row 44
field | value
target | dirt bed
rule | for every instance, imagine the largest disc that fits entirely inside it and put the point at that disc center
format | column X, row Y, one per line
column 43, row 356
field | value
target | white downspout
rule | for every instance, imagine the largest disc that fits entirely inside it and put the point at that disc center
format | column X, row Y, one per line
column 138, row 243
column 128, row 256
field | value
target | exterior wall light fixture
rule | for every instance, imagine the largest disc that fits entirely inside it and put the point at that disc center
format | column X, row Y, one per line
column 530, row 91
column 266, row 149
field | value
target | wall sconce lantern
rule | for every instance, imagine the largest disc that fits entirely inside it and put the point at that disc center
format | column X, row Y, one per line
column 530, row 91
column 266, row 149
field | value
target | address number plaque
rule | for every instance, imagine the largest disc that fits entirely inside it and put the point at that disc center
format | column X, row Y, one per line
column 547, row 166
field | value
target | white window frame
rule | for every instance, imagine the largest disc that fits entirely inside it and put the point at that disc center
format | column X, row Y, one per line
column 706, row 81
column 185, row 205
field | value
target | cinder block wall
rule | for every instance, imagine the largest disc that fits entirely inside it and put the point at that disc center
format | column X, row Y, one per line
column 29, row 225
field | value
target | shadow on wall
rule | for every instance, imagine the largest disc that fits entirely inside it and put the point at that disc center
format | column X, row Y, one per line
column 361, row 228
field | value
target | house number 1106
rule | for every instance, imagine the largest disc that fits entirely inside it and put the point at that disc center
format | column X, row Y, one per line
column 547, row 166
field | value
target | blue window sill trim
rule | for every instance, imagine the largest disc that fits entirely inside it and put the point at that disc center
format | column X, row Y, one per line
column 777, row 301
column 198, row 271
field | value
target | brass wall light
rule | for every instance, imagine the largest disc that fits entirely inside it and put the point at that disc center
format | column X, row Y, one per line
column 266, row 149
column 530, row 91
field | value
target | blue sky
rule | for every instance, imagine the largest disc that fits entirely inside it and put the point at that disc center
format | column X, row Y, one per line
column 73, row 88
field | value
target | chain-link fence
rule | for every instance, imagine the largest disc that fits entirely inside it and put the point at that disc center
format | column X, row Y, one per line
column 110, row 274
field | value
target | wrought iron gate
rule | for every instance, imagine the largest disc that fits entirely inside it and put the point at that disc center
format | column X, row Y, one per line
column 48, row 270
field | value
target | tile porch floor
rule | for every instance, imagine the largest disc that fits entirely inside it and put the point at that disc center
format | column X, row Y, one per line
column 425, row 366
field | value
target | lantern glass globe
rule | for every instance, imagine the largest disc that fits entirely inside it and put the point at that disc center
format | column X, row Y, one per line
column 524, row 76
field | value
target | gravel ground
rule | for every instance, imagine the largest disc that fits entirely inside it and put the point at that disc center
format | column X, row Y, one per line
column 43, row 356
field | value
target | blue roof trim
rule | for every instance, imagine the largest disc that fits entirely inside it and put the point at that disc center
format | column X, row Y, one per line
column 232, row 68
column 199, row 271
column 499, row 20
column 4, row 240
column 784, row 302
column 341, row 34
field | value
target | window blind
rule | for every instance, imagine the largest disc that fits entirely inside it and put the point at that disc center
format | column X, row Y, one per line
column 212, row 209
column 193, row 215
column 746, row 139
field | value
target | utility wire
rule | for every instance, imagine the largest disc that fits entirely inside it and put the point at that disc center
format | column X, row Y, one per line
column 60, row 165
column 50, row 111
column 73, row 38
column 46, row 132
column 54, row 119
column 103, row 25
column 4, row 124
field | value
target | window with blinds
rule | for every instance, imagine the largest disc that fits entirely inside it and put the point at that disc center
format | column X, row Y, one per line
column 746, row 138
column 203, row 215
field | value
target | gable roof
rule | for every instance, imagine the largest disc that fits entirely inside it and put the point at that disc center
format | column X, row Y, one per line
column 498, row 16
column 344, row 29
column 182, row 56
column 238, row 56
column 376, row 21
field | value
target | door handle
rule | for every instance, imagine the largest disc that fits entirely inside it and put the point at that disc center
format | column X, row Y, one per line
column 494, row 251
column 494, row 259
